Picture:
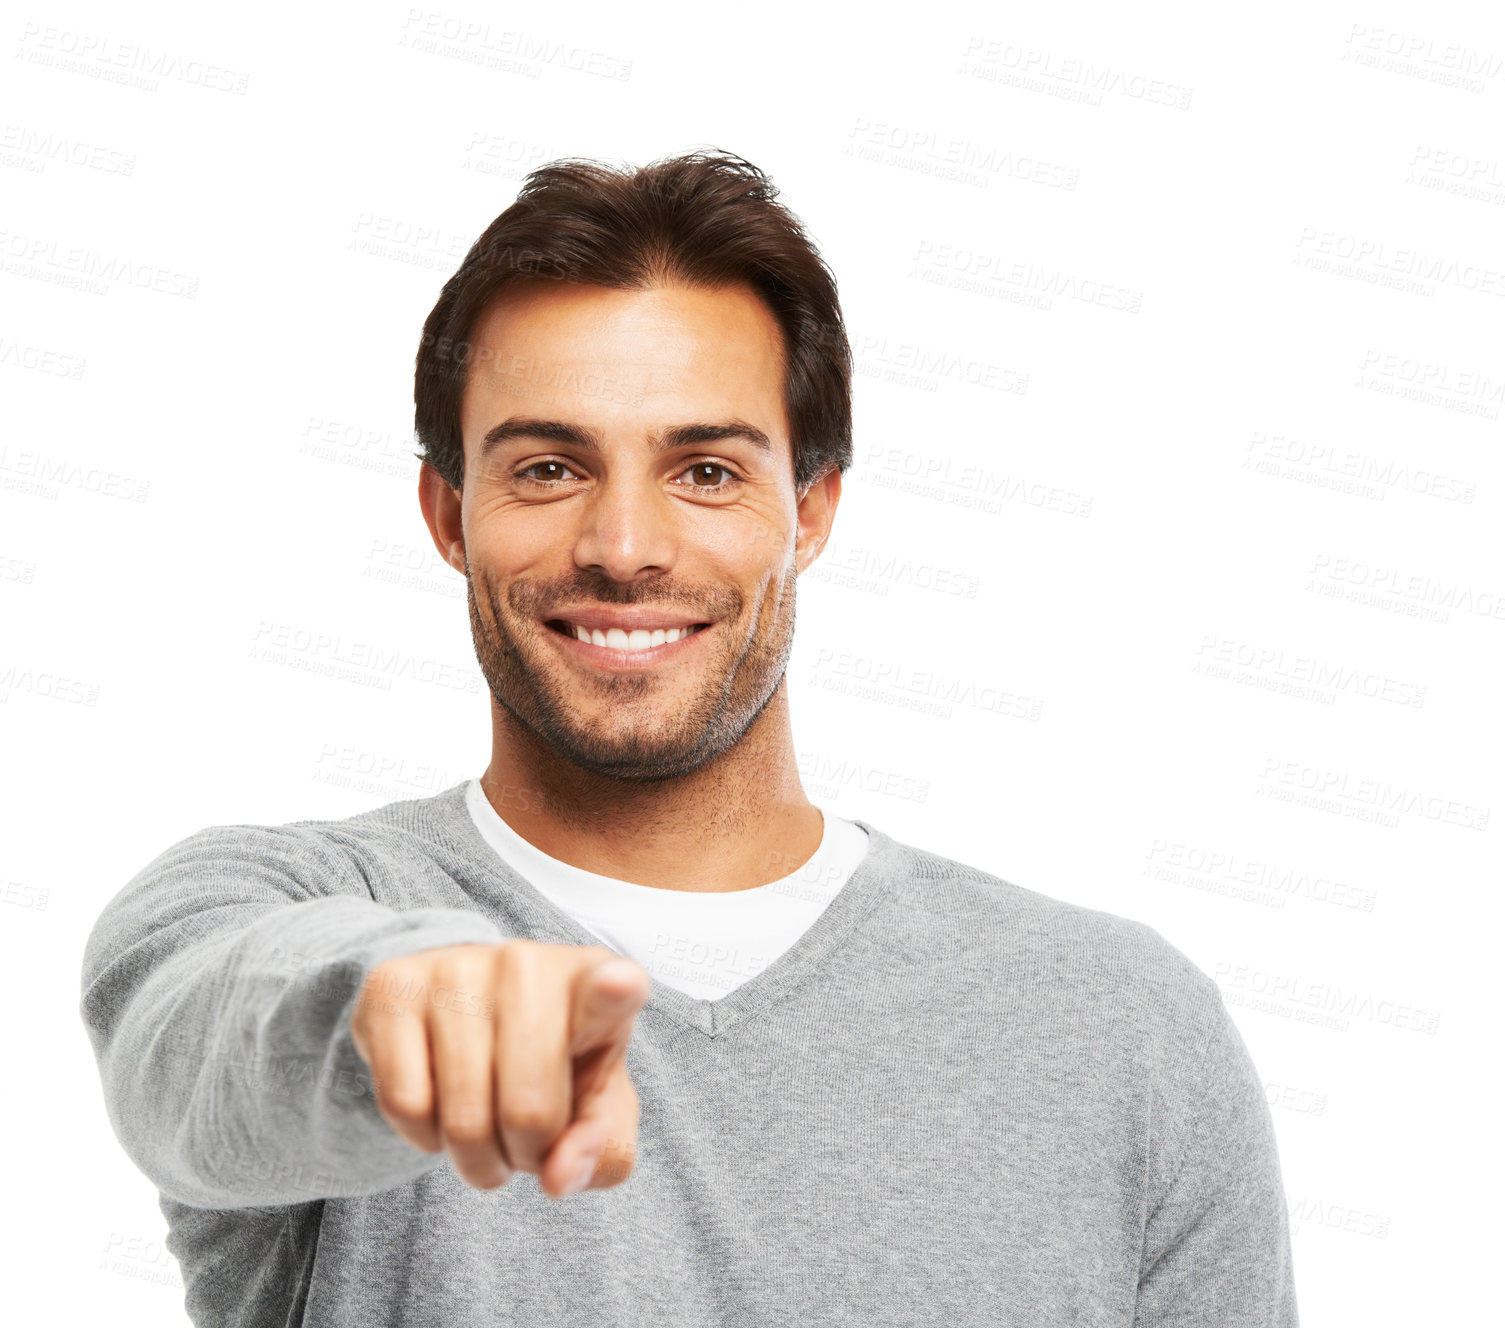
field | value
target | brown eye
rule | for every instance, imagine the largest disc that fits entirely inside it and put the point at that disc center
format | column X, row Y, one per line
column 543, row 479
column 707, row 471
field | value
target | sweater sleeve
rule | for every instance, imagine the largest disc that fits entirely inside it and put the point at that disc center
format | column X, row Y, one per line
column 1217, row 1243
column 217, row 988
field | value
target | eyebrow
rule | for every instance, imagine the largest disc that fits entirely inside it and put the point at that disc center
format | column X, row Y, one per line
column 678, row 435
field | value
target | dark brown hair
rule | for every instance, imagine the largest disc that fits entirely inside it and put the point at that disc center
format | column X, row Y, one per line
column 704, row 219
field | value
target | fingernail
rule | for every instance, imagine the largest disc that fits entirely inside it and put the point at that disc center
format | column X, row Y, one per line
column 582, row 1177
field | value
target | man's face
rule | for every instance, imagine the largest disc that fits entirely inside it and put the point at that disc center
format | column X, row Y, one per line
column 588, row 507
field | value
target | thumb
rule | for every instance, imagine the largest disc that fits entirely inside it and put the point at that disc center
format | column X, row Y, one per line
column 599, row 1149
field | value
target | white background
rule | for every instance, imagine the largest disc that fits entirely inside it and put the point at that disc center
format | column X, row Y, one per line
column 1246, row 266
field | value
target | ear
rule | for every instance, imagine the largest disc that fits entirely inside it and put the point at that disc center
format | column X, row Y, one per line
column 816, row 512
column 441, row 509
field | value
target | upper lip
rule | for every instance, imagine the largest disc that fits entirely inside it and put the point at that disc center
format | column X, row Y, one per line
column 626, row 619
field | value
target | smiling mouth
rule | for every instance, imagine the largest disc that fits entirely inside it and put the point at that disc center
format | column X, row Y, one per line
column 614, row 638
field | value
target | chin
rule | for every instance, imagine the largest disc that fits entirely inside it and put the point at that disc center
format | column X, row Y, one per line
column 634, row 765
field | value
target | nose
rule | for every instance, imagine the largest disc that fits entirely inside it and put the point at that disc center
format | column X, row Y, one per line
column 628, row 529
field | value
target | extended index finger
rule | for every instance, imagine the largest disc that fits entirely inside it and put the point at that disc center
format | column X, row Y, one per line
column 607, row 996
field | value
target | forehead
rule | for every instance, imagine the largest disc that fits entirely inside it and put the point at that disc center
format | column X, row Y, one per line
column 612, row 355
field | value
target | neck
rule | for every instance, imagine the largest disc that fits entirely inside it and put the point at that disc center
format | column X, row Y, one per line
column 739, row 821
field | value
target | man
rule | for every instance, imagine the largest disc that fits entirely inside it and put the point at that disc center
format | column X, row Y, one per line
column 758, row 1064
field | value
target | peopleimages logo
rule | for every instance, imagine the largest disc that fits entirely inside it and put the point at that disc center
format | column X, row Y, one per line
column 943, row 478
column 1341, row 787
column 1221, row 870
column 1339, row 470
column 929, row 152
column 1000, row 61
column 1271, row 667
column 367, row 663
column 1389, row 264
column 1373, row 583
column 474, row 42
column 1286, row 993
column 104, row 58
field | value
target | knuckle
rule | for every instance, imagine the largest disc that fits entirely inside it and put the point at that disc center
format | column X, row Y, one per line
column 386, row 993
column 404, row 1103
column 517, row 966
column 518, row 953
column 420, row 1136
column 466, row 1124
column 531, row 1112
column 461, row 965
column 480, row 1175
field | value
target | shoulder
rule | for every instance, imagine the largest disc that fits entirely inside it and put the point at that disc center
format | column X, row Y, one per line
column 1077, row 963
column 1115, row 1009
column 319, row 856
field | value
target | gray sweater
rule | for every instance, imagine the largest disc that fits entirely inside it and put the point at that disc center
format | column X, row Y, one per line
column 953, row 1101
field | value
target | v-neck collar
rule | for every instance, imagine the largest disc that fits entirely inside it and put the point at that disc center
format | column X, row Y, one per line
column 885, row 863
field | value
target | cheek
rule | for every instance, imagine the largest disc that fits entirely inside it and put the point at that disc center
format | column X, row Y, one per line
column 509, row 539
column 754, row 534
column 772, row 596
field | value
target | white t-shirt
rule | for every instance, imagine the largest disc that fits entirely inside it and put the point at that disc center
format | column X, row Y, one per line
column 704, row 943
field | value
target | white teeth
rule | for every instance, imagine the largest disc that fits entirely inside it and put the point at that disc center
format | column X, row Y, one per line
column 640, row 638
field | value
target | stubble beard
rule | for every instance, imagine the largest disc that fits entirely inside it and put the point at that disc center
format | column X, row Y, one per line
column 637, row 743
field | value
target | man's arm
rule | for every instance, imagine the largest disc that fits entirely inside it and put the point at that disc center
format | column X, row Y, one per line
column 1217, row 1247
column 218, row 986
